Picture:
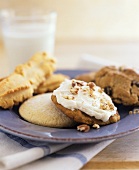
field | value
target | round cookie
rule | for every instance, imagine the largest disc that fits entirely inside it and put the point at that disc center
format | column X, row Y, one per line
column 40, row 110
column 81, row 117
column 121, row 84
column 87, row 77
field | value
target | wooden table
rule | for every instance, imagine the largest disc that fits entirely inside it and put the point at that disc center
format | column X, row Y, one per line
column 123, row 153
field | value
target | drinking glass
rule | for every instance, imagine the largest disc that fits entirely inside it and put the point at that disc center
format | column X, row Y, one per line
column 26, row 32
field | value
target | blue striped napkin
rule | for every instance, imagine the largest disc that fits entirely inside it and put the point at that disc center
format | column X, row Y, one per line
column 22, row 154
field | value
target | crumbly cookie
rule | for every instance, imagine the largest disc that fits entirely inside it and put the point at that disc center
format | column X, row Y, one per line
column 13, row 90
column 87, row 77
column 40, row 110
column 81, row 117
column 26, row 78
column 37, row 68
column 51, row 83
column 121, row 84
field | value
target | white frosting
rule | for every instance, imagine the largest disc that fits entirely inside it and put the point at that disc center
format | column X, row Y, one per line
column 87, row 97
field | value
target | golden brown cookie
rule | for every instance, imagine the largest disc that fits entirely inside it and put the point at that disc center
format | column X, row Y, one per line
column 13, row 90
column 40, row 110
column 37, row 69
column 81, row 117
column 51, row 83
column 121, row 84
column 26, row 78
column 87, row 77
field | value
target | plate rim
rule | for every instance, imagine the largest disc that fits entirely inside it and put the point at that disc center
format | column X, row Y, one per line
column 67, row 140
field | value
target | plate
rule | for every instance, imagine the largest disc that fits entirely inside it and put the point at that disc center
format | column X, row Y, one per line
column 12, row 123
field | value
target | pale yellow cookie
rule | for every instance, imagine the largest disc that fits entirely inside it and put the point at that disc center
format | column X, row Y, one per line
column 13, row 90
column 40, row 110
column 51, row 83
column 22, row 83
column 37, row 68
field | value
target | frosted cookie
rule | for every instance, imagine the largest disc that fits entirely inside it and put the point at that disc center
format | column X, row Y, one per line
column 121, row 84
column 85, row 103
column 40, row 110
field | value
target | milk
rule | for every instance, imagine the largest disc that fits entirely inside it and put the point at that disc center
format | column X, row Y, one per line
column 23, row 40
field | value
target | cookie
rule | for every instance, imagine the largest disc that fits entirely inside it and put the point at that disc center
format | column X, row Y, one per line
column 85, row 103
column 25, row 79
column 13, row 90
column 40, row 110
column 87, row 77
column 37, row 68
column 121, row 84
column 51, row 83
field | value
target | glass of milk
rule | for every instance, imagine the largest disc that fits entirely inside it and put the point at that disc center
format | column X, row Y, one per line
column 27, row 32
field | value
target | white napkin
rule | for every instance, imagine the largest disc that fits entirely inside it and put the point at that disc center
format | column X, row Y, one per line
column 16, row 152
column 20, row 154
column 91, row 62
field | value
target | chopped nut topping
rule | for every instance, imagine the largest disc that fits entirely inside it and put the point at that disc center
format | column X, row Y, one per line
column 104, row 106
column 91, row 84
column 91, row 92
column 84, row 90
column 100, row 90
column 69, row 97
column 74, row 90
column 111, row 107
column 83, row 128
column 77, row 83
column 73, row 83
column 80, row 83
column 96, row 126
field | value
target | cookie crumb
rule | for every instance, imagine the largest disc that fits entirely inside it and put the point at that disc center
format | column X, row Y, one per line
column 130, row 112
column 96, row 126
column 83, row 128
column 134, row 111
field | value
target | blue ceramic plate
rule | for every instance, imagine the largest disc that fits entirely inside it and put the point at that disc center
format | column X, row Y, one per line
column 11, row 122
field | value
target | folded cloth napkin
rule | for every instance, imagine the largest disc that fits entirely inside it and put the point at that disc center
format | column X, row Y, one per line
column 22, row 154
column 91, row 62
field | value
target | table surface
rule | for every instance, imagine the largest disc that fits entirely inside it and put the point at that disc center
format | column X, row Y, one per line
column 123, row 153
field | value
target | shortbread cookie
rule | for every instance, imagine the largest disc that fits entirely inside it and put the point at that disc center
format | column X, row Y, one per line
column 39, row 67
column 85, row 103
column 51, row 83
column 87, row 77
column 40, row 110
column 13, row 90
column 121, row 84
column 26, row 78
